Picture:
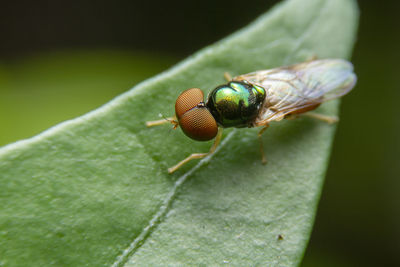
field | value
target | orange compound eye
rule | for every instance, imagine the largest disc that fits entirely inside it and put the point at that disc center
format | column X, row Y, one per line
column 199, row 124
column 187, row 100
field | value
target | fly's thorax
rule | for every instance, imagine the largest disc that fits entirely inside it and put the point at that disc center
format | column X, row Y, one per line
column 236, row 104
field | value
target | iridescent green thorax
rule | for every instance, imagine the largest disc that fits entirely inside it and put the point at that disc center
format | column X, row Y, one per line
column 235, row 104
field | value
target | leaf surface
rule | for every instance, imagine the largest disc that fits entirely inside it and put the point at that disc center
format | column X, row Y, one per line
column 95, row 190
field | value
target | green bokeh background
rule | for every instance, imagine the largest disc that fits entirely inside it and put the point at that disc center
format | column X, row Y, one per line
column 60, row 60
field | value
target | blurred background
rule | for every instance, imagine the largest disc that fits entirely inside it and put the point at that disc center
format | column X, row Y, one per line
column 60, row 59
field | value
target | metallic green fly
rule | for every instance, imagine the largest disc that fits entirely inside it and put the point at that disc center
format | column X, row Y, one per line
column 255, row 99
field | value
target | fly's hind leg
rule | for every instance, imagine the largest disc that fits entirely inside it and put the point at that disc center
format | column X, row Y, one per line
column 307, row 111
column 321, row 117
column 263, row 159
column 198, row 155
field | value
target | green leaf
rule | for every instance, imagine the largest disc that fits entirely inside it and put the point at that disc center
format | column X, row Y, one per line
column 95, row 190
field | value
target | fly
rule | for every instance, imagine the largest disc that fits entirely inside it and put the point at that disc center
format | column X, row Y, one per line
column 257, row 98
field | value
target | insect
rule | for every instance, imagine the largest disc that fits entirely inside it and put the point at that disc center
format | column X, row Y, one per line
column 257, row 98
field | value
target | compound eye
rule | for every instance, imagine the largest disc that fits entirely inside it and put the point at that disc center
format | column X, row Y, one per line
column 187, row 100
column 199, row 124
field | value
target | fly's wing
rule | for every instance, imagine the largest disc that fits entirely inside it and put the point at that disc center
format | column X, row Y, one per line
column 293, row 88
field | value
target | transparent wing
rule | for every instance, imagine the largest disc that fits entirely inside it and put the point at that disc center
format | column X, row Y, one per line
column 296, row 87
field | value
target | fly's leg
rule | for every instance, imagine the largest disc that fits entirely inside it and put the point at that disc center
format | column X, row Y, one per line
column 321, row 117
column 227, row 76
column 171, row 120
column 198, row 155
column 325, row 118
column 263, row 159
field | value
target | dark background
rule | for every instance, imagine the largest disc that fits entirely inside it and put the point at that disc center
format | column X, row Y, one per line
column 358, row 217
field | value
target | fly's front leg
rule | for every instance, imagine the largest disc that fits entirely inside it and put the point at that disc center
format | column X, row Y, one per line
column 198, row 155
column 263, row 159
column 171, row 120
column 321, row 117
